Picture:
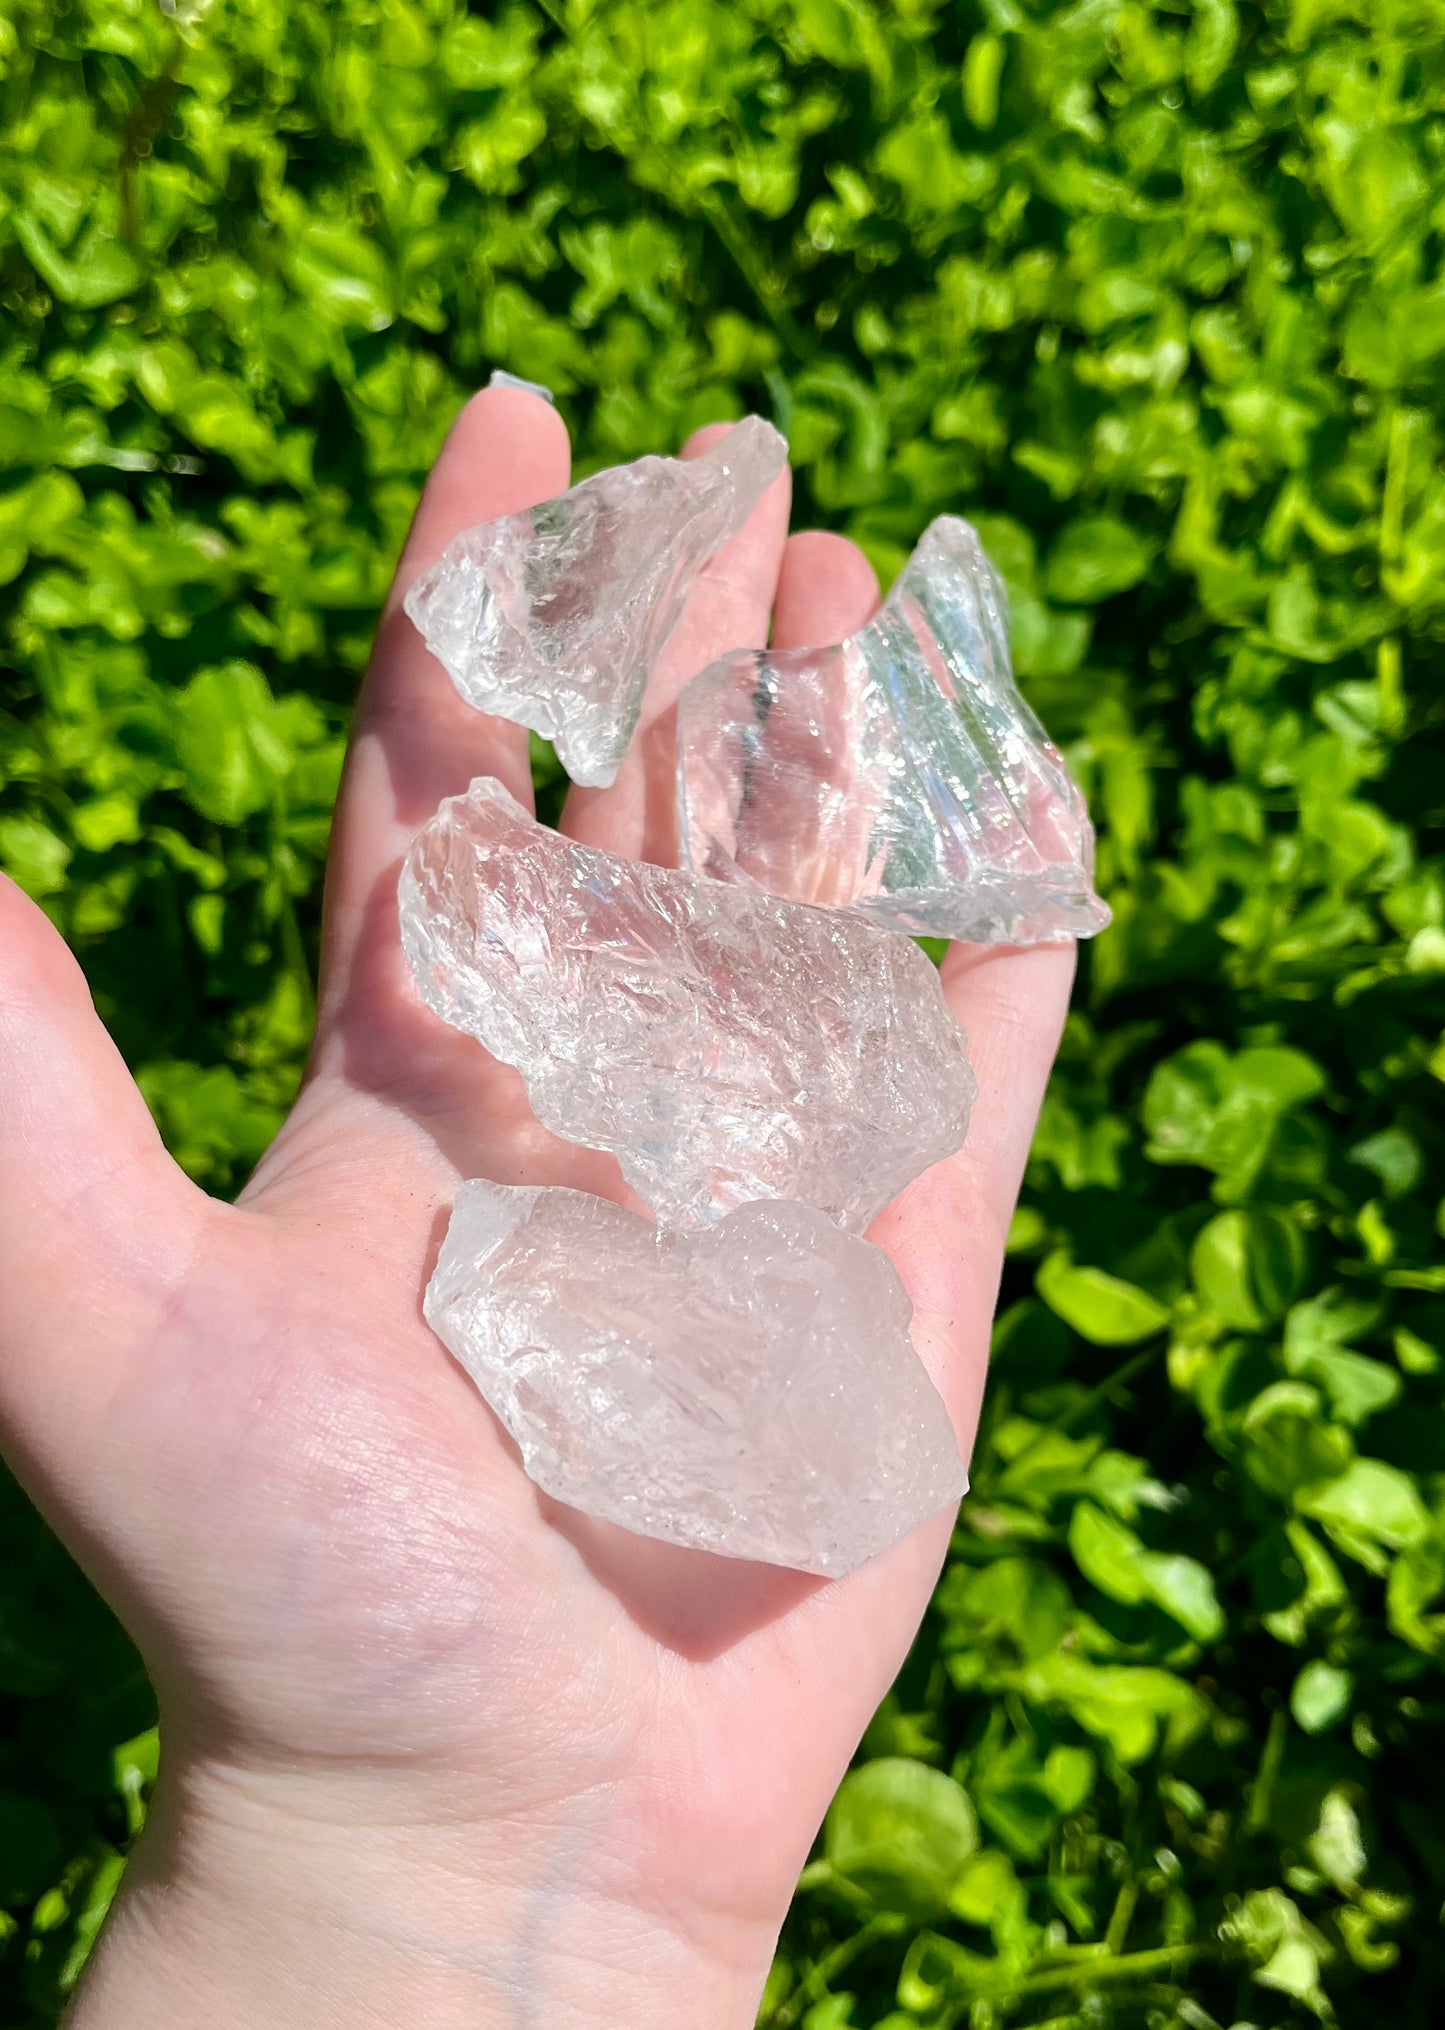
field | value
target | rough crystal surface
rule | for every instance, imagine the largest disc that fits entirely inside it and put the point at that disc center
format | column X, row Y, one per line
column 900, row 773
column 555, row 616
column 750, row 1389
column 724, row 1044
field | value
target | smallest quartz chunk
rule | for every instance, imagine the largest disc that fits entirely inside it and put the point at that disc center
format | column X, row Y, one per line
column 898, row 774
column 555, row 616
column 750, row 1389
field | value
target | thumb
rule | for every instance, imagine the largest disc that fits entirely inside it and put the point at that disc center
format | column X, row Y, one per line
column 97, row 1224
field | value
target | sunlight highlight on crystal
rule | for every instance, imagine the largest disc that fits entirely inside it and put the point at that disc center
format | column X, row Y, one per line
column 899, row 775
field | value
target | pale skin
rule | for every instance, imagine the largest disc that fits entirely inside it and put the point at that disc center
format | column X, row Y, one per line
column 438, row 1752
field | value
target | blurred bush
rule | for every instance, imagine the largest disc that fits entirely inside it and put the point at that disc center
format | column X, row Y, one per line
column 1152, row 291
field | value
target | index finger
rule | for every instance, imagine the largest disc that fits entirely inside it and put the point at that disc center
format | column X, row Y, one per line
column 415, row 741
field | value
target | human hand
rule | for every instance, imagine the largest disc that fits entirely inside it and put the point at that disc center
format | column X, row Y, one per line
column 437, row 1750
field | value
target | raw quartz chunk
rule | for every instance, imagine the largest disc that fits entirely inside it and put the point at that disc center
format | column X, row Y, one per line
column 899, row 774
column 722, row 1044
column 750, row 1389
column 554, row 617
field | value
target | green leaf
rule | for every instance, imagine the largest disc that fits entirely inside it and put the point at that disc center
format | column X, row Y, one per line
column 982, row 69
column 32, row 855
column 899, row 1833
column 1069, row 1776
column 987, row 1891
column 341, row 273
column 1135, row 1710
column 1121, row 1566
column 1094, row 558
column 1416, row 1596
column 213, row 1118
column 1287, row 1442
column 100, row 270
column 100, row 1892
column 1184, row 1588
column 1393, row 1155
column 103, row 822
column 1017, row 1596
column 1101, row 1307
column 1247, row 1266
column 1357, row 1386
column 33, row 516
column 1108, row 1554
column 1223, row 1111
column 230, row 740
column 1321, row 1696
column 1287, row 1952
column 1210, row 44
column 1372, row 1498
column 489, row 151
column 1336, row 1846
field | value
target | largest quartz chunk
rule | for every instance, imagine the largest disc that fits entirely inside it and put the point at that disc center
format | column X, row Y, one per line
column 725, row 1045
column 554, row 617
column 899, row 773
column 750, row 1390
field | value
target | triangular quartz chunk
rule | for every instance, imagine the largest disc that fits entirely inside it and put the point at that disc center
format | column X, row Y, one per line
column 899, row 774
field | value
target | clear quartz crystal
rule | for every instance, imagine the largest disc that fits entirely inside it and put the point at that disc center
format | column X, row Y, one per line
column 750, row 1389
column 900, row 773
column 725, row 1045
column 554, row 617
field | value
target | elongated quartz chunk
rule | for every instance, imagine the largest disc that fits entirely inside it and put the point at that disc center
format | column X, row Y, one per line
column 899, row 774
column 725, row 1045
column 750, row 1389
column 554, row 617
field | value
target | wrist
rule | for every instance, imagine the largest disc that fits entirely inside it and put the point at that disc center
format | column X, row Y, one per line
column 280, row 1901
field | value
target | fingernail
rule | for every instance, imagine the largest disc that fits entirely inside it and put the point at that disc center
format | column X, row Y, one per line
column 502, row 379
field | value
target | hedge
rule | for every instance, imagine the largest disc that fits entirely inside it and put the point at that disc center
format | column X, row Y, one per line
column 1153, row 293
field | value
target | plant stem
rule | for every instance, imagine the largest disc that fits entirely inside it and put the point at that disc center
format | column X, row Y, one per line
column 814, row 1985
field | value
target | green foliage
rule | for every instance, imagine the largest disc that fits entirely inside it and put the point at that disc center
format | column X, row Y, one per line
column 898, row 1836
column 1152, row 289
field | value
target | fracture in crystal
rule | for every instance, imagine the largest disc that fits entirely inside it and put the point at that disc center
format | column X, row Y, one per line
column 723, row 1044
column 750, row 1389
column 554, row 617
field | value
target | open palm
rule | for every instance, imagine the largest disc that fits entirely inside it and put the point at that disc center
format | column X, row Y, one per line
column 366, row 1627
